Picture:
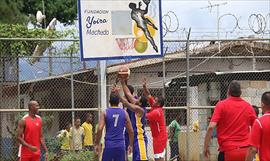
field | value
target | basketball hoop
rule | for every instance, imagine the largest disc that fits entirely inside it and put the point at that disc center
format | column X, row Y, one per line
column 125, row 44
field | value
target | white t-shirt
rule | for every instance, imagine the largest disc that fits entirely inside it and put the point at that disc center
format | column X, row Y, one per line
column 77, row 136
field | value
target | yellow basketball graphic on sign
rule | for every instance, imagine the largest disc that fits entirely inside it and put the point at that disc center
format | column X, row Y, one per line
column 140, row 46
column 140, row 34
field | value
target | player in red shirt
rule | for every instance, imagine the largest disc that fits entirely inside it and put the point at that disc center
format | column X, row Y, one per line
column 260, row 133
column 233, row 118
column 157, row 124
column 30, row 134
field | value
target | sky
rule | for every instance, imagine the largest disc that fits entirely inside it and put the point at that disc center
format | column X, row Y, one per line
column 193, row 14
column 203, row 21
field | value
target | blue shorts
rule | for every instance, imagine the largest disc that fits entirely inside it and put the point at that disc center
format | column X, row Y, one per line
column 139, row 150
column 114, row 154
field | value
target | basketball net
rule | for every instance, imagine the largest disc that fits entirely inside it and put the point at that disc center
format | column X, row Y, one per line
column 126, row 45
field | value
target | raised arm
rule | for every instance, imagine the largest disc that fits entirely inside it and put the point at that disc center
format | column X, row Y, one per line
column 20, row 139
column 145, row 89
column 135, row 108
column 99, row 131
column 127, row 92
column 132, row 106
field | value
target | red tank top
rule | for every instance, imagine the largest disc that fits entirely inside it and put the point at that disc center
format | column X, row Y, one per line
column 31, row 135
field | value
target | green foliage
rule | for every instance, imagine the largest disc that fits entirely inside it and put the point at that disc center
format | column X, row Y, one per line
column 53, row 144
column 73, row 156
column 80, row 156
column 12, row 48
column 18, row 11
column 47, row 121
column 10, row 12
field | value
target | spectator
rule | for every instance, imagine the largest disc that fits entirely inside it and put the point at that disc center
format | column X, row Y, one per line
column 97, row 155
column 88, row 132
column 76, row 136
column 260, row 132
column 233, row 118
column 173, row 136
column 30, row 135
column 64, row 136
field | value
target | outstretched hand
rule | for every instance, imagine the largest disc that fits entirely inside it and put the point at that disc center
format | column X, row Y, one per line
column 116, row 89
column 144, row 81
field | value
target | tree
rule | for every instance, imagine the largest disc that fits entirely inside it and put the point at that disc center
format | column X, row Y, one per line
column 10, row 12
column 17, row 11
column 63, row 10
column 12, row 48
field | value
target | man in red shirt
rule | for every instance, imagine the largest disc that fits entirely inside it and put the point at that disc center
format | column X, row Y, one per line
column 157, row 124
column 30, row 134
column 233, row 118
column 260, row 133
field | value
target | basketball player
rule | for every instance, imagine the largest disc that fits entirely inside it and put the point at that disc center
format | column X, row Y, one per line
column 136, row 110
column 138, row 15
column 115, row 119
column 157, row 124
column 30, row 134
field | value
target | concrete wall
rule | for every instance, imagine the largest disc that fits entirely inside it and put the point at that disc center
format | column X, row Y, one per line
column 251, row 92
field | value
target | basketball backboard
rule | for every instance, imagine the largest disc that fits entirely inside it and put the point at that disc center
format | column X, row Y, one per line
column 112, row 29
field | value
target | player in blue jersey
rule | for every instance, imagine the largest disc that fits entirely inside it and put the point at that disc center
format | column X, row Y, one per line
column 136, row 110
column 115, row 119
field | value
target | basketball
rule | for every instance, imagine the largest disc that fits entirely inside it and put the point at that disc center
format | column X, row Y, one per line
column 123, row 72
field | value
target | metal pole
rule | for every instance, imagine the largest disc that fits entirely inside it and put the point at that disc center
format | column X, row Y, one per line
column 102, row 88
column 72, row 88
column 18, row 82
column 164, row 72
column 163, row 91
column 99, row 89
column 2, row 69
column 43, row 8
column 254, row 63
column 188, row 98
column 50, row 62
column 102, row 94
column 218, row 28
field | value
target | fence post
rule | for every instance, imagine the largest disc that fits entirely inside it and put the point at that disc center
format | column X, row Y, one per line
column 188, row 97
column 18, row 82
column 72, row 88
column 163, row 93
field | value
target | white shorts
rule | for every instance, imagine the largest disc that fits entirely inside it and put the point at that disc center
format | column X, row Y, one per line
column 20, row 150
column 160, row 155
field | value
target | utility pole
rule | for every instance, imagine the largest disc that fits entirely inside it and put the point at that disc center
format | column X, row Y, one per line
column 210, row 7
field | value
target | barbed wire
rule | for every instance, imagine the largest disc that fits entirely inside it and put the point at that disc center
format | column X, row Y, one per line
column 170, row 23
column 257, row 23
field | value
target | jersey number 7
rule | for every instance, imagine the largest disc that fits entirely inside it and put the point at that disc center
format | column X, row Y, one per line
column 115, row 116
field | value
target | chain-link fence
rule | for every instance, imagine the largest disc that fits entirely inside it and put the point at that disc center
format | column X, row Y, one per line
column 67, row 88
